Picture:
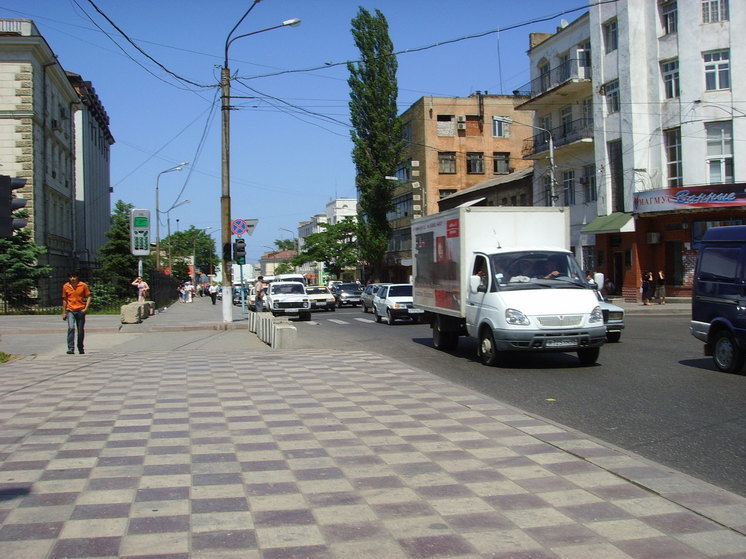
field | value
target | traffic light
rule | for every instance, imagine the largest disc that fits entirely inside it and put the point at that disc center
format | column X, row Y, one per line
column 9, row 204
column 239, row 251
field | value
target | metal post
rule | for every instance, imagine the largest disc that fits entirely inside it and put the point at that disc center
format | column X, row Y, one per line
column 551, row 169
column 225, row 198
column 157, row 225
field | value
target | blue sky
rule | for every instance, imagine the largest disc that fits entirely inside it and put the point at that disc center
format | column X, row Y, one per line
column 290, row 140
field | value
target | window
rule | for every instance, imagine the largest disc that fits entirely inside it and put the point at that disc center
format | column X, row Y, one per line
column 719, row 264
column 669, row 17
column 401, row 208
column 548, row 190
column 616, row 172
column 500, row 127
column 671, row 78
column 447, row 162
column 568, row 187
column 446, row 125
column 714, row 11
column 672, row 139
column 584, row 56
column 500, row 163
column 611, row 37
column 717, row 70
column 544, row 76
column 611, row 90
column 719, row 151
column 475, row 163
column 564, row 67
column 443, row 192
column 566, row 120
column 589, row 183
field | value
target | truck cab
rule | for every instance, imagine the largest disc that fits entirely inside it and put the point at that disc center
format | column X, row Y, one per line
column 719, row 297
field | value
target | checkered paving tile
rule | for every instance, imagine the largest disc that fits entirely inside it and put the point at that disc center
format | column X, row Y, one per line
column 280, row 455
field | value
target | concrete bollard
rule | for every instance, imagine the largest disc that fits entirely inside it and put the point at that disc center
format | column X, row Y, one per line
column 284, row 336
column 131, row 313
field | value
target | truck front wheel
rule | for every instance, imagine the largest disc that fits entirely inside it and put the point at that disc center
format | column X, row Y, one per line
column 488, row 353
column 589, row 355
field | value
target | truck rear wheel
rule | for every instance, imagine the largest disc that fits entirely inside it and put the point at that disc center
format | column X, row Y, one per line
column 444, row 341
column 725, row 353
column 589, row 355
column 488, row 353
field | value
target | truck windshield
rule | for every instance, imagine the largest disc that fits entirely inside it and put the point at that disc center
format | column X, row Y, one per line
column 536, row 270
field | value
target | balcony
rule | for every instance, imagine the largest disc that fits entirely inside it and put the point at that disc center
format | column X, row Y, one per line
column 573, row 75
column 580, row 130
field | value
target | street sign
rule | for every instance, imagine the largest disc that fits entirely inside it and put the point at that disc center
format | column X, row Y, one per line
column 238, row 227
column 250, row 225
column 140, row 232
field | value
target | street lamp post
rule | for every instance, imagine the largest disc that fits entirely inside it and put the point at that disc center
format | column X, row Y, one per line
column 225, row 194
column 178, row 167
column 552, row 180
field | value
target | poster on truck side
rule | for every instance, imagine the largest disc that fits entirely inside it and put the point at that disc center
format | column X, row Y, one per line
column 437, row 242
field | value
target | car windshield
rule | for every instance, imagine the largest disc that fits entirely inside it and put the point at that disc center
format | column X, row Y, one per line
column 349, row 287
column 536, row 270
column 287, row 288
column 400, row 291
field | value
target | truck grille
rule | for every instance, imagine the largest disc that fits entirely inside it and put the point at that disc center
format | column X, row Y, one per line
column 560, row 321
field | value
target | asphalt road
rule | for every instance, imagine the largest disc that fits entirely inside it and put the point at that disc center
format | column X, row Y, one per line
column 654, row 393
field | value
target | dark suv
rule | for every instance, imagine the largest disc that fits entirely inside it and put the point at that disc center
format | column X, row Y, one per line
column 719, row 297
column 347, row 294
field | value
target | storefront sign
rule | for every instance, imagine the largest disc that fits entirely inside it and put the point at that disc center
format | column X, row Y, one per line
column 691, row 198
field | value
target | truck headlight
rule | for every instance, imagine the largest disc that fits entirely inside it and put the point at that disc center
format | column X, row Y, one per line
column 516, row 317
column 597, row 315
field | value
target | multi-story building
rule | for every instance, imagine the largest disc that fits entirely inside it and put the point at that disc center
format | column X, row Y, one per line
column 54, row 132
column 453, row 143
column 561, row 144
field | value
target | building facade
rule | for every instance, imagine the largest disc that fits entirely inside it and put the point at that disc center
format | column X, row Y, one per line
column 452, row 143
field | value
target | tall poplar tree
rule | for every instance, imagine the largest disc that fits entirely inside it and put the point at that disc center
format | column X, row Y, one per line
column 376, row 132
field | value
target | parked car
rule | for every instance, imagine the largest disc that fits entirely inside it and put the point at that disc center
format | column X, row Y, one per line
column 288, row 298
column 613, row 318
column 366, row 298
column 321, row 298
column 394, row 301
column 347, row 294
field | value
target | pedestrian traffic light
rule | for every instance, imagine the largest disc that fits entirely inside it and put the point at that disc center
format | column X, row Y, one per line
column 239, row 251
column 9, row 204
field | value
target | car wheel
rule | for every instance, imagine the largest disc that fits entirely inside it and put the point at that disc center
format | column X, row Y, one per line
column 389, row 317
column 305, row 316
column 613, row 337
column 365, row 309
column 488, row 354
column 444, row 341
column 378, row 316
column 331, row 308
column 589, row 355
column 725, row 353
column 339, row 304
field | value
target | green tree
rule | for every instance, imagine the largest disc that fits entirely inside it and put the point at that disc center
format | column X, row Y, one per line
column 192, row 242
column 19, row 262
column 377, row 131
column 285, row 244
column 284, row 268
column 118, row 264
column 180, row 270
column 334, row 246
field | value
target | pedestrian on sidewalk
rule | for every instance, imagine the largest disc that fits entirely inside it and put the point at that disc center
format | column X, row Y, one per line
column 189, row 291
column 660, row 288
column 143, row 289
column 259, row 294
column 213, row 291
column 648, row 287
column 76, row 298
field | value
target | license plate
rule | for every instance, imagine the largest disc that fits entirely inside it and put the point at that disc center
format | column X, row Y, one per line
column 415, row 311
column 561, row 342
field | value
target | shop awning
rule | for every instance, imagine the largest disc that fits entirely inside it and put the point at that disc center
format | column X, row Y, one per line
column 618, row 222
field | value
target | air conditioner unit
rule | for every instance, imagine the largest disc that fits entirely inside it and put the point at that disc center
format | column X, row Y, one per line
column 416, row 197
column 461, row 126
column 461, row 118
column 416, row 207
column 654, row 238
column 415, row 163
column 415, row 184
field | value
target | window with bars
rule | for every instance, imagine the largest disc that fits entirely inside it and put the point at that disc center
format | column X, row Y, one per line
column 717, row 70
column 672, row 139
column 475, row 163
column 670, row 71
column 719, row 151
column 714, row 11
column 447, row 162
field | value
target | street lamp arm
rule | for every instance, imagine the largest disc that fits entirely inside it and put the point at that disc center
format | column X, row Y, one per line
column 228, row 39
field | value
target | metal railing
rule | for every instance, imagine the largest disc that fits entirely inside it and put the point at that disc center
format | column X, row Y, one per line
column 572, row 69
column 563, row 134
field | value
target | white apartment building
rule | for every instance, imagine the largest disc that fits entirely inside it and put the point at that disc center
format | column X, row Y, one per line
column 668, row 112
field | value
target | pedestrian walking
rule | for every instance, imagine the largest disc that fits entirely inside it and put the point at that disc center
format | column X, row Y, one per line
column 660, row 287
column 143, row 289
column 648, row 287
column 213, row 291
column 259, row 294
column 189, row 291
column 76, row 298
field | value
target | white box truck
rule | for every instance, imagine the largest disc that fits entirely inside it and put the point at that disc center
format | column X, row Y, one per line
column 506, row 277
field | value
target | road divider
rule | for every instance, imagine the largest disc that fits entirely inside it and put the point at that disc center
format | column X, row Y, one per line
column 276, row 331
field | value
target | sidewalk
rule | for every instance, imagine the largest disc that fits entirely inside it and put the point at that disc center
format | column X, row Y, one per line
column 319, row 454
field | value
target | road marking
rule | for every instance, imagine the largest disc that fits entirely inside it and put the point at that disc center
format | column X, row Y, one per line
column 367, row 320
column 337, row 321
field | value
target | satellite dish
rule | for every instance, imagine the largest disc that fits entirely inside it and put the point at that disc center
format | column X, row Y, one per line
column 564, row 23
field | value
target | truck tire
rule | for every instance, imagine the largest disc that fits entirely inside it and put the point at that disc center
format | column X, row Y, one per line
column 444, row 341
column 488, row 354
column 725, row 353
column 589, row 355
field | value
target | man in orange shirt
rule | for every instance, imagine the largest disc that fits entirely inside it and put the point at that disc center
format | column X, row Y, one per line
column 76, row 298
